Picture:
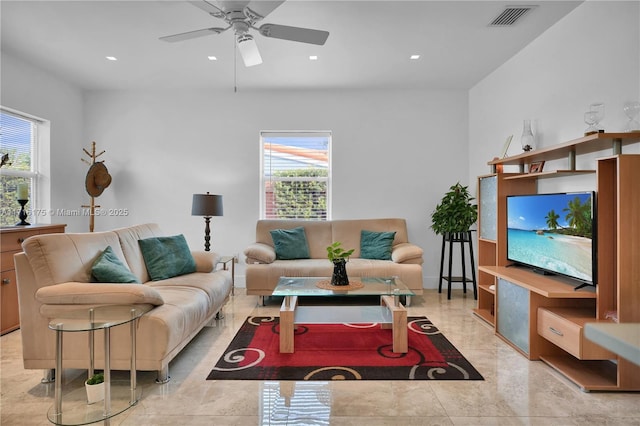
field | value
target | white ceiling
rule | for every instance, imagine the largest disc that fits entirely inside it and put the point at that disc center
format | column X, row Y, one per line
column 368, row 47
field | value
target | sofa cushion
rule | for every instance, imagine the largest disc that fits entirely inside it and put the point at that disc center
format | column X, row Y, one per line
column 407, row 253
column 216, row 286
column 318, row 233
column 206, row 261
column 60, row 258
column 129, row 238
column 98, row 294
column 109, row 269
column 376, row 245
column 260, row 253
column 167, row 257
column 290, row 243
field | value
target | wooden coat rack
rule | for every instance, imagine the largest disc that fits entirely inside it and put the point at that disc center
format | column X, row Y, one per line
column 92, row 206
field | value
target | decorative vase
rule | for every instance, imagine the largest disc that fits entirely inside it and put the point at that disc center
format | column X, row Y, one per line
column 527, row 140
column 339, row 276
column 95, row 393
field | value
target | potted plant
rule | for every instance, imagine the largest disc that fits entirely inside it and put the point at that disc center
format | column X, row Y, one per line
column 455, row 213
column 95, row 388
column 339, row 257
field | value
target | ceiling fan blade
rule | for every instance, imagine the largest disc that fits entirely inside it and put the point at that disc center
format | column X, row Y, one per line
column 303, row 35
column 192, row 34
column 209, row 7
column 257, row 10
column 249, row 50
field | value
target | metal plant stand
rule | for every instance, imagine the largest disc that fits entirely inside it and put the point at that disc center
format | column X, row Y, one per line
column 463, row 238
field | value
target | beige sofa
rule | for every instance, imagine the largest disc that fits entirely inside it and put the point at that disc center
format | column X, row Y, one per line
column 53, row 276
column 263, row 270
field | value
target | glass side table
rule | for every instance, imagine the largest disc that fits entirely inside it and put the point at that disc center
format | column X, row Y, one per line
column 225, row 261
column 77, row 411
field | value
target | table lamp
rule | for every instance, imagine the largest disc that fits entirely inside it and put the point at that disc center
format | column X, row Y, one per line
column 206, row 205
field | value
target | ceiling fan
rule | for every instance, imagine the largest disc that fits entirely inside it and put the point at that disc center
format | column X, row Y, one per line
column 241, row 16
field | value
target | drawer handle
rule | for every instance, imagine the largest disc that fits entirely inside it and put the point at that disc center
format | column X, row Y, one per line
column 6, row 281
column 21, row 240
column 554, row 331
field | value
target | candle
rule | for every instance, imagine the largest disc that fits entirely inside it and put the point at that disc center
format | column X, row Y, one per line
column 23, row 191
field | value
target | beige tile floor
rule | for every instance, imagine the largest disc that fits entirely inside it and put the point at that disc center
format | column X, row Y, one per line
column 515, row 391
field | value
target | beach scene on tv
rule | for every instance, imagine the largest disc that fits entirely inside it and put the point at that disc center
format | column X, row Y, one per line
column 552, row 232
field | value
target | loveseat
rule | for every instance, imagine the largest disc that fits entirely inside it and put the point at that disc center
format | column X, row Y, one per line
column 56, row 273
column 264, row 268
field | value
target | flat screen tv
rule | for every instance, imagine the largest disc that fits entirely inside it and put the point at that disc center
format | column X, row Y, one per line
column 554, row 234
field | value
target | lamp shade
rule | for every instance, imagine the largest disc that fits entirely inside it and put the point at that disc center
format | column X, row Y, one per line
column 206, row 205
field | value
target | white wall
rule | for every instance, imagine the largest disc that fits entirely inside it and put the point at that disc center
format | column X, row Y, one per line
column 30, row 90
column 593, row 54
column 394, row 154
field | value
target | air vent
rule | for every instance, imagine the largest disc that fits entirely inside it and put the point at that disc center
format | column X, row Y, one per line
column 510, row 16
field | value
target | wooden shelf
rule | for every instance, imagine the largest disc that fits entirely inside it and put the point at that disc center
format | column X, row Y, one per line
column 584, row 145
column 589, row 366
column 589, row 375
column 486, row 288
column 550, row 174
column 549, row 287
column 485, row 315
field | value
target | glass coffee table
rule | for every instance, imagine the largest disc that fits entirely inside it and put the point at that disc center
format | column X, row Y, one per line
column 390, row 313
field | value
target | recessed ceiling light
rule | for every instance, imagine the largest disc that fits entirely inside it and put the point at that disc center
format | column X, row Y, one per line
column 415, row 57
column 212, row 58
column 313, row 58
column 112, row 58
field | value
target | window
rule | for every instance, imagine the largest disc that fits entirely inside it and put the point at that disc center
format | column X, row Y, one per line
column 295, row 175
column 18, row 144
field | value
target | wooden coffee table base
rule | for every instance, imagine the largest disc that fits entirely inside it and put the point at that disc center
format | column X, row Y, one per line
column 344, row 314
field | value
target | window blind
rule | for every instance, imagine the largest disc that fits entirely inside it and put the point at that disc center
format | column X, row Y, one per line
column 295, row 175
column 17, row 137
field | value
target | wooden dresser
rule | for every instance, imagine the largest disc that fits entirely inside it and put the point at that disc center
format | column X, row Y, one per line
column 11, row 239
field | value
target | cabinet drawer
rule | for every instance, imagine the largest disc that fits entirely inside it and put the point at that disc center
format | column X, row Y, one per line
column 6, row 260
column 568, row 334
column 9, row 315
column 559, row 331
column 12, row 241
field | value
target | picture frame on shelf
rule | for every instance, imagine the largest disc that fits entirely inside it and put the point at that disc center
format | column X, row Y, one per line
column 536, row 167
column 505, row 147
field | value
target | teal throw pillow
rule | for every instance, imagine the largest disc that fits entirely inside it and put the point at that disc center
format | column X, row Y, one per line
column 290, row 243
column 107, row 268
column 376, row 245
column 167, row 257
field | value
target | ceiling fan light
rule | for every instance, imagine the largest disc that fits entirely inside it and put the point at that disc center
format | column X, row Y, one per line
column 249, row 50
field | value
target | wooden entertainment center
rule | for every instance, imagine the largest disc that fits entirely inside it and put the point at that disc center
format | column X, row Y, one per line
column 543, row 317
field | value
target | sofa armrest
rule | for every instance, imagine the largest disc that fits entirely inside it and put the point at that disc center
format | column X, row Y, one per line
column 206, row 261
column 407, row 253
column 260, row 253
column 70, row 293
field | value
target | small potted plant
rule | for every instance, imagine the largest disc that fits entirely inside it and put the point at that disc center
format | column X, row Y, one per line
column 339, row 257
column 95, row 388
column 455, row 213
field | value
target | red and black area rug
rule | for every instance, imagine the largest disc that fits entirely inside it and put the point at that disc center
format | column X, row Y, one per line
column 341, row 352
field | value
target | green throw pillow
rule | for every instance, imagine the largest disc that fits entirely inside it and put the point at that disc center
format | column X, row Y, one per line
column 167, row 257
column 376, row 245
column 290, row 243
column 109, row 269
